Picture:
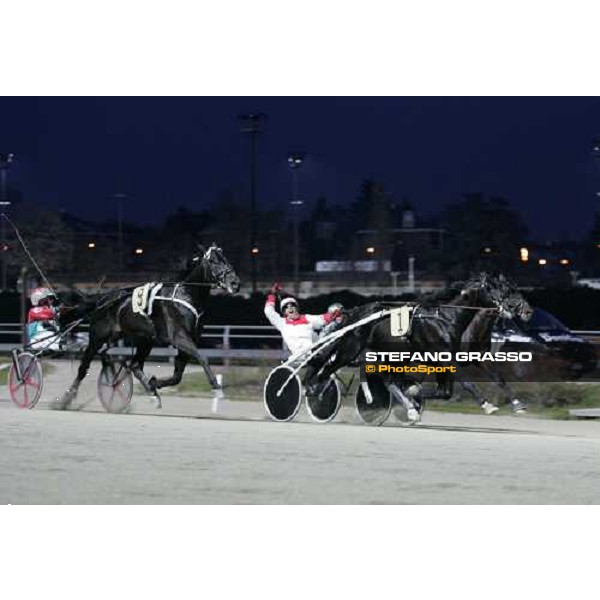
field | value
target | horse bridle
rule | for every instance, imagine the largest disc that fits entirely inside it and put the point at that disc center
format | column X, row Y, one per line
column 221, row 274
column 507, row 305
column 218, row 276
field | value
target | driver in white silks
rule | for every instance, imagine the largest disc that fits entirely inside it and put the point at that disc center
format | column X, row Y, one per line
column 42, row 327
column 299, row 331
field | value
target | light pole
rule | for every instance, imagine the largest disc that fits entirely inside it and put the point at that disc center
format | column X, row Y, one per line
column 252, row 125
column 5, row 161
column 295, row 160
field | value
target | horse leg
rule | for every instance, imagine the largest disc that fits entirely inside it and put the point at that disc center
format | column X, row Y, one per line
column 181, row 360
column 516, row 405
column 94, row 345
column 486, row 406
column 185, row 344
column 313, row 378
column 142, row 350
column 411, row 410
column 324, row 365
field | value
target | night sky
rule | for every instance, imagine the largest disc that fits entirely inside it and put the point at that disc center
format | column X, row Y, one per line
column 72, row 153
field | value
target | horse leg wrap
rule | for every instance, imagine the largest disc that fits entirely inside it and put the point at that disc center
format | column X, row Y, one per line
column 400, row 397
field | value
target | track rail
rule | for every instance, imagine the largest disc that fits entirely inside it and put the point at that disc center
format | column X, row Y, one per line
column 223, row 341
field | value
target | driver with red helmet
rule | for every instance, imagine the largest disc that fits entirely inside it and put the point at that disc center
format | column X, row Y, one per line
column 42, row 328
column 298, row 330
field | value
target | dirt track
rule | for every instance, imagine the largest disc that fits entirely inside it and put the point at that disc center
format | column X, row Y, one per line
column 93, row 457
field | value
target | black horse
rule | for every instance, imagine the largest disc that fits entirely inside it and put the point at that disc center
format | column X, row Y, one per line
column 176, row 318
column 478, row 336
column 439, row 323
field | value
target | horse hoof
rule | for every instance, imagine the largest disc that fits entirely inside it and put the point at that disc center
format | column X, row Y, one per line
column 64, row 401
column 518, row 407
column 488, row 408
column 413, row 416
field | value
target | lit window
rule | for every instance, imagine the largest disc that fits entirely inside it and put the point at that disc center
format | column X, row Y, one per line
column 524, row 254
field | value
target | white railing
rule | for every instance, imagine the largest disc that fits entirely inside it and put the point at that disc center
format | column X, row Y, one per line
column 263, row 342
column 266, row 342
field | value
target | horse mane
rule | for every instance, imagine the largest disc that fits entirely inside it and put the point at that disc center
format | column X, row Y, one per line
column 444, row 296
column 184, row 269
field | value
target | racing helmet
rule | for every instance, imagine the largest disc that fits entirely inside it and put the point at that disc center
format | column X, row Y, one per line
column 286, row 301
column 39, row 294
column 335, row 306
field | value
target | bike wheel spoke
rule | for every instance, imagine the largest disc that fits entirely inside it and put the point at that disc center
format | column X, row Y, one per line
column 121, row 394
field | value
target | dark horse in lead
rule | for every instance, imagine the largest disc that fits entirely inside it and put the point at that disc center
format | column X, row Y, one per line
column 176, row 318
column 439, row 323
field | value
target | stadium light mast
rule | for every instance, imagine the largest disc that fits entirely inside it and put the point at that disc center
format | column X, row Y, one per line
column 295, row 160
column 252, row 124
column 5, row 162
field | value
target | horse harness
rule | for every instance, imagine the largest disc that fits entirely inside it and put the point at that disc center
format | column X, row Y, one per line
column 143, row 298
column 401, row 318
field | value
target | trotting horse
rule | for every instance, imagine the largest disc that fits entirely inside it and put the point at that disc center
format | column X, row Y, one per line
column 436, row 325
column 174, row 316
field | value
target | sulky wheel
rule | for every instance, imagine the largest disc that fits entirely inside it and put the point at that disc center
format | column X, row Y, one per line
column 373, row 402
column 325, row 407
column 282, row 403
column 25, row 388
column 115, row 387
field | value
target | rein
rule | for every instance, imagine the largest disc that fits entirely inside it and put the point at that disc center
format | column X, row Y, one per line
column 493, row 308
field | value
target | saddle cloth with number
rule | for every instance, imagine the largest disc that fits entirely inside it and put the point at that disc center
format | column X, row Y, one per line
column 400, row 320
column 143, row 296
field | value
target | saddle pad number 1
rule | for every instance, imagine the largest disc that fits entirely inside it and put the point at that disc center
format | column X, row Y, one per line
column 400, row 319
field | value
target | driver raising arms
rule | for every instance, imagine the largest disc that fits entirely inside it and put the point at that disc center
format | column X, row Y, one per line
column 298, row 330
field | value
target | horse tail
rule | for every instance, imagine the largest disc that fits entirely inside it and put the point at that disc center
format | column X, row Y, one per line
column 91, row 306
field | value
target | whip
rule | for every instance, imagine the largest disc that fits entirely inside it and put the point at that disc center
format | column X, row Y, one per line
column 26, row 249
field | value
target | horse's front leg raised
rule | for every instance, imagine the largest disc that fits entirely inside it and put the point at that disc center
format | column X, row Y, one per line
column 181, row 360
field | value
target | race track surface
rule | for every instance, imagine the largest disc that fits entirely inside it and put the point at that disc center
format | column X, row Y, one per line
column 190, row 455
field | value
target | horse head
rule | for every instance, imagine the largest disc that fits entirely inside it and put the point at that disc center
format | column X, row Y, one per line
column 503, row 294
column 216, row 268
